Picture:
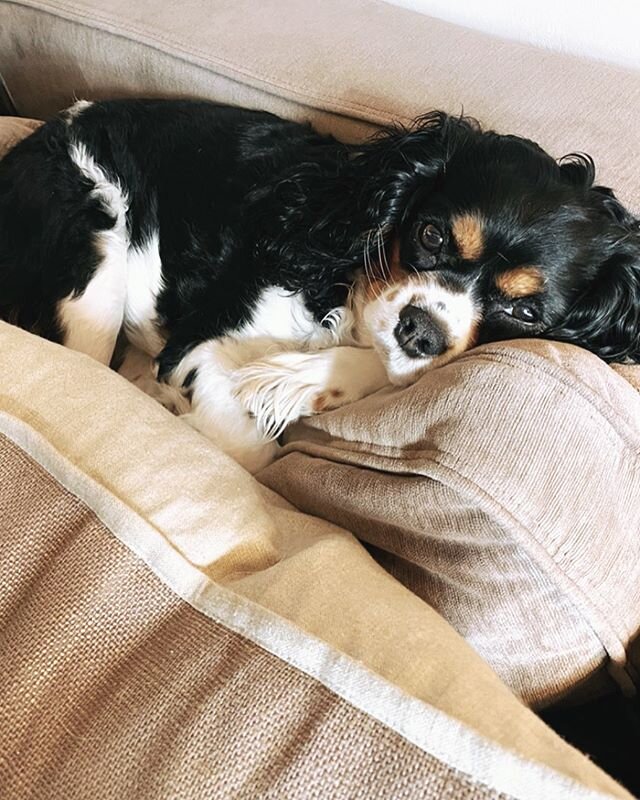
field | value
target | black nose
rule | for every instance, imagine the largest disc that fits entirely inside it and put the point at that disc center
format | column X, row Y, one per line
column 418, row 334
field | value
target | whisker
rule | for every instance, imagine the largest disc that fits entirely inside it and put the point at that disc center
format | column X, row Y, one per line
column 623, row 238
column 382, row 257
column 368, row 267
column 365, row 261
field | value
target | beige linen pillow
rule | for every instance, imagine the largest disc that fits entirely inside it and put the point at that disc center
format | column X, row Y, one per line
column 503, row 489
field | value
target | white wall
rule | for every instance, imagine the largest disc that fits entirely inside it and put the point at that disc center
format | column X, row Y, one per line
column 608, row 30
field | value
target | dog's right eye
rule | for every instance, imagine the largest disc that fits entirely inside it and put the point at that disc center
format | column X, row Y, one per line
column 523, row 312
column 431, row 238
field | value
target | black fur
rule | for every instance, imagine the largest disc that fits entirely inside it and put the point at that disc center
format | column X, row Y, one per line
column 244, row 200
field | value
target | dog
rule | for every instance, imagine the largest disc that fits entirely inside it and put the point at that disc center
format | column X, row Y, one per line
column 272, row 272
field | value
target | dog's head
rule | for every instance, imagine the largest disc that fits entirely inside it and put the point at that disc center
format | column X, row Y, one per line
column 475, row 237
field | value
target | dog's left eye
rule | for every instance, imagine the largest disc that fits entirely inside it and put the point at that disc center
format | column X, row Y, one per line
column 431, row 237
column 523, row 313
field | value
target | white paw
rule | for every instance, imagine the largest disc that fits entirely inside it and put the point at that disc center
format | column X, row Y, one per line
column 280, row 389
column 276, row 391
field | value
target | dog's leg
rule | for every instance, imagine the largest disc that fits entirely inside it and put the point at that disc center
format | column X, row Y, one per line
column 286, row 386
column 91, row 320
column 205, row 375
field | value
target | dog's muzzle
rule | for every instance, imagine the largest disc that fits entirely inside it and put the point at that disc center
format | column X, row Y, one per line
column 418, row 333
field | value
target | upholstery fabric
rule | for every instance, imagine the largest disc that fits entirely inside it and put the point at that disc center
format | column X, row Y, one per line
column 503, row 489
column 340, row 64
column 115, row 687
column 300, row 588
column 161, row 539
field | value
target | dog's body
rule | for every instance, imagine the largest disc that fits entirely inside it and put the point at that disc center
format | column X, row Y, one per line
column 274, row 272
column 137, row 216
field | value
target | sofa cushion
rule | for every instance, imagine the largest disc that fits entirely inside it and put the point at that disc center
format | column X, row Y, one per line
column 503, row 489
column 342, row 64
column 189, row 632
column 150, row 588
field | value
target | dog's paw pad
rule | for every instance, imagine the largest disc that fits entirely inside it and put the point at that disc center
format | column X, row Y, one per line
column 327, row 400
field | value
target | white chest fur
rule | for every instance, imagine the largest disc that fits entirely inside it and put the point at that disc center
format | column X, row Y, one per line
column 144, row 283
column 282, row 317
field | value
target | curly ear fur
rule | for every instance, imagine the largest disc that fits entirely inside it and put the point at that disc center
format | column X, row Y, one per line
column 578, row 169
column 606, row 317
column 343, row 202
column 331, row 203
column 375, row 177
column 399, row 159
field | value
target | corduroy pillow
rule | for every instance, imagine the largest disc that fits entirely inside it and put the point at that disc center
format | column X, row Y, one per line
column 503, row 489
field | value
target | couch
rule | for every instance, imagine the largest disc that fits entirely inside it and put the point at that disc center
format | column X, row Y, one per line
column 383, row 610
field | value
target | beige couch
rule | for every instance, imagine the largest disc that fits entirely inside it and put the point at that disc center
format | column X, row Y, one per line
column 172, row 627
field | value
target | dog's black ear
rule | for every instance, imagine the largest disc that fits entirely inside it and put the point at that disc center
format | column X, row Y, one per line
column 400, row 160
column 606, row 317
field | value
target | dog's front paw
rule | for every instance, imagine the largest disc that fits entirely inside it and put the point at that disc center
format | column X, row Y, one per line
column 277, row 391
column 280, row 389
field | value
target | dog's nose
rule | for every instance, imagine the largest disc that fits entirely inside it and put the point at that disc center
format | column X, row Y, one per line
column 418, row 334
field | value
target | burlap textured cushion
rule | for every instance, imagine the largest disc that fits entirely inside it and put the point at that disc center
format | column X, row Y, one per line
column 504, row 489
column 115, row 687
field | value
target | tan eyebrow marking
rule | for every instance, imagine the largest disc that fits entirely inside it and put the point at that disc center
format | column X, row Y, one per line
column 468, row 232
column 520, row 282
